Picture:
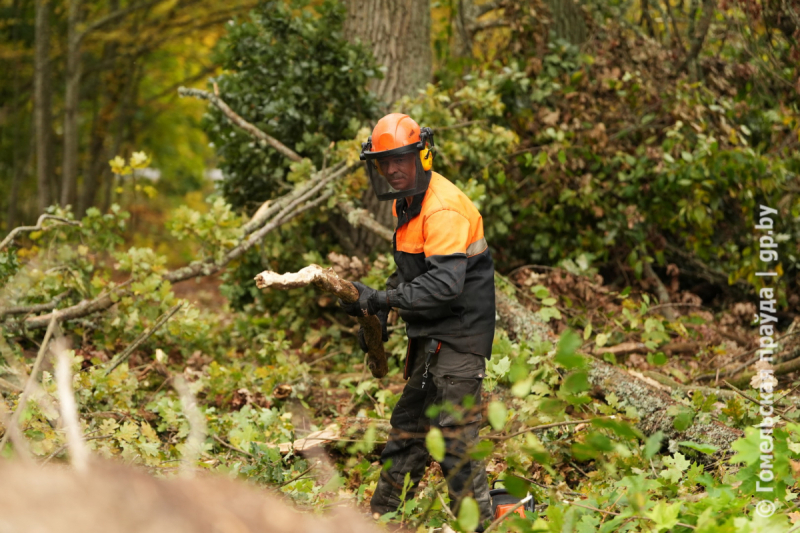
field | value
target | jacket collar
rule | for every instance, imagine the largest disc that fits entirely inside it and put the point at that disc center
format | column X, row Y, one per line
column 406, row 212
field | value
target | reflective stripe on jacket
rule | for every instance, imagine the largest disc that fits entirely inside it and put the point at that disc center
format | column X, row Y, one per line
column 444, row 283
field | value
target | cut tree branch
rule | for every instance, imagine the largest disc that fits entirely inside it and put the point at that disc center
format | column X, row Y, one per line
column 328, row 281
column 236, row 120
column 126, row 353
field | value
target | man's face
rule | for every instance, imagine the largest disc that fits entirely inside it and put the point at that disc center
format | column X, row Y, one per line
column 400, row 171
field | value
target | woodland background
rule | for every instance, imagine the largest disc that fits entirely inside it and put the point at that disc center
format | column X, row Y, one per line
column 618, row 150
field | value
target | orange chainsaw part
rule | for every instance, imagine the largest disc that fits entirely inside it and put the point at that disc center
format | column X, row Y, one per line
column 504, row 508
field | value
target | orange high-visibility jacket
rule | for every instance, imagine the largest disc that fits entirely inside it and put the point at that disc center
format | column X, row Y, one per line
column 444, row 283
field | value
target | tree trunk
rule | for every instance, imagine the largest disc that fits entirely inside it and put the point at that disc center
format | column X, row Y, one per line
column 399, row 34
column 69, row 170
column 42, row 105
column 567, row 20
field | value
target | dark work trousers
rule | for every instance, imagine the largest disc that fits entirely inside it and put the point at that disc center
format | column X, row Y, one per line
column 452, row 377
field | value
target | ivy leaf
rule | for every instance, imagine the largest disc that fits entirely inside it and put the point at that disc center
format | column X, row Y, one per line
column 664, row 515
column 677, row 465
column 434, row 441
column 747, row 447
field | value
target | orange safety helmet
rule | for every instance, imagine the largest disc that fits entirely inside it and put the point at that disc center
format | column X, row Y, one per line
column 398, row 157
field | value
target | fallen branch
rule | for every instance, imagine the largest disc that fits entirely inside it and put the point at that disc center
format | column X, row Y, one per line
column 328, row 281
column 37, row 227
column 126, row 353
column 748, row 398
column 232, row 447
column 36, row 308
column 236, row 120
column 362, row 217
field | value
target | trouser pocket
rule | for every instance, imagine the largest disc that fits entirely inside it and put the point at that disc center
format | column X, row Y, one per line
column 459, row 400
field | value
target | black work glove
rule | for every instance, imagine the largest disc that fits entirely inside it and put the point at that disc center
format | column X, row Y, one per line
column 382, row 317
column 369, row 301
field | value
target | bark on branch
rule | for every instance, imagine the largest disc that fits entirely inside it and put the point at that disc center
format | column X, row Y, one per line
column 327, row 280
column 37, row 227
column 236, row 120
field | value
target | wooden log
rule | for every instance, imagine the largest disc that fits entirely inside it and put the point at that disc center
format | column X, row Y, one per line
column 327, row 280
column 651, row 402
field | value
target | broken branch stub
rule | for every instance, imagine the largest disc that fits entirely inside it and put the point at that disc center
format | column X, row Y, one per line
column 328, row 281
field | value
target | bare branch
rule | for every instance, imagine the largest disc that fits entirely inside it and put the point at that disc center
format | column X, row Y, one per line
column 232, row 447
column 37, row 227
column 486, row 8
column 487, row 24
column 112, row 17
column 362, row 217
column 125, row 354
column 36, row 308
column 242, row 123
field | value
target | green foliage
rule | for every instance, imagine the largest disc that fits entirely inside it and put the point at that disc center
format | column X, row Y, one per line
column 291, row 73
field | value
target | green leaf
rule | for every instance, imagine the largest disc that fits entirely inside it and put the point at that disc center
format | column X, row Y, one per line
column 562, row 157
column 707, row 449
column 540, row 291
column 482, row 450
column 653, row 444
column 565, row 351
column 683, row 417
column 664, row 515
column 619, row 427
column 434, row 441
column 516, row 486
column 747, row 447
column 497, row 415
column 601, row 340
column 576, row 382
column 468, row 514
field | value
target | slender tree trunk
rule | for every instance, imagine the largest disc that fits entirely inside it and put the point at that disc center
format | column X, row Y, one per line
column 69, row 169
column 108, row 102
column 42, row 105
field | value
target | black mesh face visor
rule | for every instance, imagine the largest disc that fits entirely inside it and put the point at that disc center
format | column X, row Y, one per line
column 397, row 173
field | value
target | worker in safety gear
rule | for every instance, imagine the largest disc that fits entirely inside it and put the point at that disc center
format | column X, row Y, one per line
column 444, row 291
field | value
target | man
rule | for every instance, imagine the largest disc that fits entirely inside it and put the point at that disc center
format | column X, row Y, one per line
column 444, row 291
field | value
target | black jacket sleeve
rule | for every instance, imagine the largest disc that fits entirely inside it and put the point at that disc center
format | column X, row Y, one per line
column 442, row 283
